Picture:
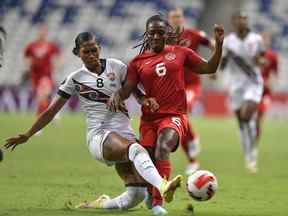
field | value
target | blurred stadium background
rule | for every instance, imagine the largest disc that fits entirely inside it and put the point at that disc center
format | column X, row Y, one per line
column 56, row 167
column 118, row 25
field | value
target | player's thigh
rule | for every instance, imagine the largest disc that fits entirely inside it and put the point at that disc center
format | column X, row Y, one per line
column 170, row 133
column 248, row 109
column 115, row 147
column 251, row 98
column 148, row 134
column 168, row 139
column 128, row 174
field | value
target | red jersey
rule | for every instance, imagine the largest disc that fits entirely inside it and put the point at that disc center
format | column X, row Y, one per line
column 162, row 77
column 192, row 39
column 41, row 54
column 270, row 66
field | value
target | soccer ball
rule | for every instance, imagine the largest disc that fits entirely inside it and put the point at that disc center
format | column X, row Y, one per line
column 202, row 185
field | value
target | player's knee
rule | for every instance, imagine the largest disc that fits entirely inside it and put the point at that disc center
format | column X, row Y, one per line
column 162, row 152
column 135, row 195
column 167, row 141
column 134, row 150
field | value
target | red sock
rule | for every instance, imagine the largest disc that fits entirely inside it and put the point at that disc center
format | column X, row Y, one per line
column 164, row 169
column 189, row 136
column 42, row 106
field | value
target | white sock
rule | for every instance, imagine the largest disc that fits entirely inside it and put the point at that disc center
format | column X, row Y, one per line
column 253, row 131
column 129, row 199
column 248, row 141
column 144, row 165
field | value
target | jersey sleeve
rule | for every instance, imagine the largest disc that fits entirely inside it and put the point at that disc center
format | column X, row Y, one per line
column 191, row 58
column 121, row 69
column 132, row 73
column 67, row 88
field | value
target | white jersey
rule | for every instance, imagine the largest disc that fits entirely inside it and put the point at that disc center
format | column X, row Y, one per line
column 247, row 49
column 94, row 91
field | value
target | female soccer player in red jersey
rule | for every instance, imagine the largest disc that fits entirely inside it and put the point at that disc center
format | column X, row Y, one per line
column 110, row 139
column 159, row 68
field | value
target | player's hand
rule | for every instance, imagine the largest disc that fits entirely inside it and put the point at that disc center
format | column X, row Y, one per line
column 12, row 142
column 151, row 103
column 114, row 102
column 219, row 34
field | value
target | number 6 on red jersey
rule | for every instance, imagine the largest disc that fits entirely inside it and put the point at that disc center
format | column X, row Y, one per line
column 160, row 69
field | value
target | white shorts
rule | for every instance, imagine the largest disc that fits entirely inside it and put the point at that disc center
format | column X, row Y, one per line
column 248, row 92
column 96, row 144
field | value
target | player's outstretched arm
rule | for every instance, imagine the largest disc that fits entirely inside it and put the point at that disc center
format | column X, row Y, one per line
column 211, row 65
column 141, row 98
column 118, row 97
column 44, row 119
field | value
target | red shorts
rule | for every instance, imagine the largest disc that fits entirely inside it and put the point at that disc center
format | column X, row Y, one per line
column 43, row 85
column 149, row 130
column 192, row 94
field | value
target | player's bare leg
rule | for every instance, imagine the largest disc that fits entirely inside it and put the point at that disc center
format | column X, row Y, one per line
column 117, row 148
column 248, row 132
column 167, row 141
column 134, row 194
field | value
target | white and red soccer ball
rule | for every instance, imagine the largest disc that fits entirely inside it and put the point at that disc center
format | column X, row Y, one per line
column 202, row 185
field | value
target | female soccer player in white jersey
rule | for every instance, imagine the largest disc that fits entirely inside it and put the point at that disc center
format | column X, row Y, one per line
column 242, row 55
column 110, row 138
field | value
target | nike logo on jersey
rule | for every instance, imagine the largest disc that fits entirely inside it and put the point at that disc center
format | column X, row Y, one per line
column 148, row 62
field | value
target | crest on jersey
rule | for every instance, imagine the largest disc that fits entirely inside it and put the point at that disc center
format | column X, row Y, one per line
column 93, row 95
column 111, row 76
column 170, row 56
column 185, row 43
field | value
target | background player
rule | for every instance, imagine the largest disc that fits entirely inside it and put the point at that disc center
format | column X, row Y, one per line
column 269, row 71
column 159, row 68
column 109, row 136
column 40, row 56
column 192, row 39
column 243, row 54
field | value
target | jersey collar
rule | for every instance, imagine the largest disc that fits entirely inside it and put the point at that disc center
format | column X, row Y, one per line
column 103, row 67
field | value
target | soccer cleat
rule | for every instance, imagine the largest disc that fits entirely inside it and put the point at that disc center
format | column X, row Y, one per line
column 168, row 188
column 252, row 167
column 159, row 210
column 192, row 167
column 96, row 204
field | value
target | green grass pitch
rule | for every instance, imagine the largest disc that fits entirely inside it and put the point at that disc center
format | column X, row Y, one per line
column 54, row 168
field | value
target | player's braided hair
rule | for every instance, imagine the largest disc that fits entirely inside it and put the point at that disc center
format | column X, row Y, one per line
column 80, row 39
column 144, row 43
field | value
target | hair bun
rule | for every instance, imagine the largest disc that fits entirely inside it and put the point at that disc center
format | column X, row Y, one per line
column 75, row 51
